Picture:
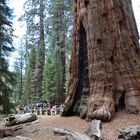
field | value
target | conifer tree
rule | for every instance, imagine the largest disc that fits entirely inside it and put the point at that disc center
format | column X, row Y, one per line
column 48, row 85
column 34, row 43
column 6, row 77
column 29, row 86
column 38, row 74
column 59, row 21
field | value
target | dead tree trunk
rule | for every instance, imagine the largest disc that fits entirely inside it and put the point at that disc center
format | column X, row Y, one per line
column 105, row 61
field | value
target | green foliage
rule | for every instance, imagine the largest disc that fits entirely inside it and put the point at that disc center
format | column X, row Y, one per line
column 38, row 74
column 32, row 39
column 6, row 89
column 46, row 80
column 35, row 45
column 5, row 34
column 16, row 91
column 48, row 87
column 19, row 71
column 29, row 86
column 6, row 77
column 59, row 21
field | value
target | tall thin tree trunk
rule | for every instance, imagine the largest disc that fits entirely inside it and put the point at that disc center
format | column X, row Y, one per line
column 42, row 6
column 62, row 52
column 38, row 75
column 21, row 78
column 105, row 61
column 60, row 33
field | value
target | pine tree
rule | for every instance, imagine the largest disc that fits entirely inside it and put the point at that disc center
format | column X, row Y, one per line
column 19, row 68
column 38, row 74
column 48, row 85
column 6, row 77
column 15, row 95
column 34, row 17
column 57, row 37
column 29, row 86
column 59, row 15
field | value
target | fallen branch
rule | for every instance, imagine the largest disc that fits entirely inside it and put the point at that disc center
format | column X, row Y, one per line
column 25, row 118
column 93, row 132
column 70, row 135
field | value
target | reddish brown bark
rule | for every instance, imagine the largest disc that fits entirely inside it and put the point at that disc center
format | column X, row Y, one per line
column 105, row 61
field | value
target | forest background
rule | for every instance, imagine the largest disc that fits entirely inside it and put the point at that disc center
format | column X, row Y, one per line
column 39, row 67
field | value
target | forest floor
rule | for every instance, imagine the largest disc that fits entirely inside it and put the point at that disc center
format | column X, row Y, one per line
column 42, row 129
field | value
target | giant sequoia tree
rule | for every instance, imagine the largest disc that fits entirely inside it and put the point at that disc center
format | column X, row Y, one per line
column 38, row 74
column 105, row 62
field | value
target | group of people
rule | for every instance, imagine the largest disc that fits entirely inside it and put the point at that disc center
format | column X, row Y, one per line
column 40, row 109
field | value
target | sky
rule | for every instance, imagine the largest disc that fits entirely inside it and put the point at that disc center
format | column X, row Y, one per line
column 136, row 8
column 17, row 6
column 20, row 29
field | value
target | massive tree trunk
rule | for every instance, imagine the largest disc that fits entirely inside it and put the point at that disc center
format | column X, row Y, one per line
column 105, row 62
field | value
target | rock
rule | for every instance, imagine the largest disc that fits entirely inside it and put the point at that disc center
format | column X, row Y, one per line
column 130, row 133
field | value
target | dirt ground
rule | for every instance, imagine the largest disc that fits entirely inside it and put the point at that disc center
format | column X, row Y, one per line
column 42, row 129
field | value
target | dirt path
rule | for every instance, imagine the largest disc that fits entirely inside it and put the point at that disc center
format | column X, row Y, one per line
column 42, row 129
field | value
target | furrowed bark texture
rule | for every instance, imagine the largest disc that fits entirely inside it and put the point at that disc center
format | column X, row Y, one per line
column 105, row 61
